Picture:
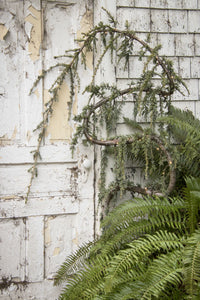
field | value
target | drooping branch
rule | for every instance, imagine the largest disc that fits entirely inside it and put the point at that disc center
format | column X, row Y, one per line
column 109, row 36
column 130, row 187
column 130, row 140
column 157, row 58
column 156, row 139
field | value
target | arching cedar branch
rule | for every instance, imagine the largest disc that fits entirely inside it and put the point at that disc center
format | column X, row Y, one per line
column 115, row 142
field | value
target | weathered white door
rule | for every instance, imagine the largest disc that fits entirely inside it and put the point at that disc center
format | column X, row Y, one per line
column 60, row 213
column 62, row 208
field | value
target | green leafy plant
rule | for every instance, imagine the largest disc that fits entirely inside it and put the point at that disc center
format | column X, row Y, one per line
column 150, row 246
column 149, row 249
column 184, row 131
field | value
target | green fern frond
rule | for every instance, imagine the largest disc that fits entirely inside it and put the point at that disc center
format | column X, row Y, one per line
column 135, row 228
column 183, row 124
column 125, row 291
column 159, row 261
column 138, row 251
column 164, row 271
column 87, row 282
column 192, row 200
column 191, row 262
column 73, row 263
column 139, row 208
column 184, row 132
column 193, row 184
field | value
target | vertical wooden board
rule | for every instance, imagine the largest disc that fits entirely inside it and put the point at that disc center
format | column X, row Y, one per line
column 11, row 44
column 12, row 249
column 20, row 36
column 60, row 33
column 32, row 106
column 35, row 249
column 197, row 108
column 106, row 72
column 60, row 241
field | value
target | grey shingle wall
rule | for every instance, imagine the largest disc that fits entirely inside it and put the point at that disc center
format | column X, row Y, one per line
column 175, row 24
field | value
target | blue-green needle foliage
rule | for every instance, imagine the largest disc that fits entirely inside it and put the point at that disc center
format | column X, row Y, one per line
column 151, row 95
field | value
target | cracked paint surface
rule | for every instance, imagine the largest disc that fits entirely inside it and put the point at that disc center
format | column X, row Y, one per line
column 85, row 25
column 35, row 18
column 14, row 133
column 37, row 93
column 59, row 127
column 56, row 251
column 47, row 232
column 48, row 227
column 3, row 31
column 76, row 239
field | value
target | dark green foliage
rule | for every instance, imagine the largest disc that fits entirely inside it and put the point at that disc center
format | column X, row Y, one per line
column 149, row 249
column 185, row 134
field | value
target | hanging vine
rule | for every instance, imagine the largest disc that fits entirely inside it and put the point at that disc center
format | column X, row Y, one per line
column 149, row 146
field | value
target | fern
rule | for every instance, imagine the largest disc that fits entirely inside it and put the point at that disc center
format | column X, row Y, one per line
column 73, row 263
column 147, row 251
column 87, row 282
column 192, row 200
column 185, row 132
column 135, row 211
column 191, row 263
column 163, row 272
column 138, row 252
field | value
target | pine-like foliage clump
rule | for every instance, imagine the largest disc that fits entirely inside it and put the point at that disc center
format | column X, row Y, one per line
column 152, row 94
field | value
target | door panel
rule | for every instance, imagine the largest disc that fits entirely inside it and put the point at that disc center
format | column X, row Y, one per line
column 59, row 215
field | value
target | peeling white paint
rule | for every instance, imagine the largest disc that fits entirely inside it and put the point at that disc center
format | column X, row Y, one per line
column 49, row 226
column 14, row 133
column 56, row 251
column 35, row 19
column 36, row 92
column 59, row 127
column 3, row 31
column 85, row 25
column 60, row 214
